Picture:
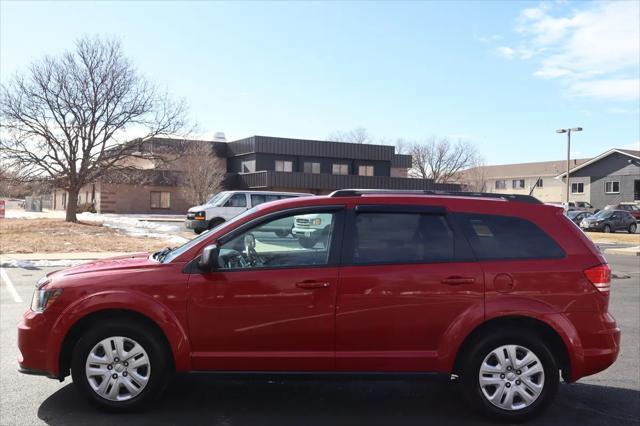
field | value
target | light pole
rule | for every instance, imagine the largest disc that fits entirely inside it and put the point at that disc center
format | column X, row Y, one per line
column 568, row 132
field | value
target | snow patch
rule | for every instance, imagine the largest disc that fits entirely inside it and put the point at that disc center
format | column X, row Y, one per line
column 27, row 264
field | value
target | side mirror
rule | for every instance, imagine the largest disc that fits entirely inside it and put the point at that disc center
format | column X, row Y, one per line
column 209, row 258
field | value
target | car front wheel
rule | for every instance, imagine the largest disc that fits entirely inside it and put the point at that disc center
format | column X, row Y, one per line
column 120, row 366
column 510, row 377
column 606, row 229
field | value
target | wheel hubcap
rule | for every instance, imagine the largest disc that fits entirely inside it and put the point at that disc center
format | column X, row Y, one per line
column 118, row 368
column 508, row 389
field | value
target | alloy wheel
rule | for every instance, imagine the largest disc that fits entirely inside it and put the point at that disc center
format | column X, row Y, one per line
column 511, row 377
column 118, row 368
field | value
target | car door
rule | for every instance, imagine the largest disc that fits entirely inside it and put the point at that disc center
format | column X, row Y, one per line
column 616, row 221
column 270, row 305
column 406, row 278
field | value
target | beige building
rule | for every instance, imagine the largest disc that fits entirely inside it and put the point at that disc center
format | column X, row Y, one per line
column 537, row 179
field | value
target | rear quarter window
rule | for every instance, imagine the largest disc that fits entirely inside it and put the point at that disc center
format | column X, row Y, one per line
column 495, row 237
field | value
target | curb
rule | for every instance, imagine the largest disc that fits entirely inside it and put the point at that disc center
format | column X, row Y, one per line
column 631, row 251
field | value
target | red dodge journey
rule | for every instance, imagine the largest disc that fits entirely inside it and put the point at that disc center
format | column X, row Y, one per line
column 502, row 292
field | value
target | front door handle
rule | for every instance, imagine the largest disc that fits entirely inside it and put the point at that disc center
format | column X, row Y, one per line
column 313, row 284
column 458, row 280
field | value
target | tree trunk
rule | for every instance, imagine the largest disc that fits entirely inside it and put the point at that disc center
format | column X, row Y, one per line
column 72, row 205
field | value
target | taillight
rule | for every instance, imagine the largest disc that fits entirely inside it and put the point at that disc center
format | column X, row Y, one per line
column 600, row 277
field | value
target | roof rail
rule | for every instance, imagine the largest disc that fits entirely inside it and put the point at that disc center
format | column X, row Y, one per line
column 507, row 197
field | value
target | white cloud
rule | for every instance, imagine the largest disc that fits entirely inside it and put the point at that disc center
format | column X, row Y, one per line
column 594, row 51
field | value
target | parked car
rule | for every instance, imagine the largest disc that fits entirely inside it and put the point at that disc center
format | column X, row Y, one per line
column 610, row 221
column 579, row 205
column 499, row 291
column 309, row 229
column 227, row 204
column 632, row 208
column 577, row 215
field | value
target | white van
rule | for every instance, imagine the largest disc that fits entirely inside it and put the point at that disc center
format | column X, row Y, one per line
column 227, row 204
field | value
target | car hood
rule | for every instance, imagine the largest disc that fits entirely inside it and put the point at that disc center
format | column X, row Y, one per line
column 593, row 219
column 199, row 208
column 130, row 261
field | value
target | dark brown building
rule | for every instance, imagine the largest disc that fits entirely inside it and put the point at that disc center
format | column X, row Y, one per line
column 269, row 163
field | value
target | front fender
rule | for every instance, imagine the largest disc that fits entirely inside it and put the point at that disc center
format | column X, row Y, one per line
column 134, row 301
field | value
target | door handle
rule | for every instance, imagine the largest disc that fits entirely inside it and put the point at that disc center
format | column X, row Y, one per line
column 458, row 280
column 313, row 284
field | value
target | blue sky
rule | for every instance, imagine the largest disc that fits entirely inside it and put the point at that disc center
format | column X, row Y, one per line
column 503, row 75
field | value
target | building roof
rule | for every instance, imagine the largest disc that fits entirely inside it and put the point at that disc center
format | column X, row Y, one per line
column 538, row 169
column 628, row 152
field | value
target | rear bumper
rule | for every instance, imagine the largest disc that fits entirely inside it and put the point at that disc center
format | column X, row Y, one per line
column 600, row 342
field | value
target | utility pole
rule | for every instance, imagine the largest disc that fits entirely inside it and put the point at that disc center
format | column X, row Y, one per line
column 568, row 132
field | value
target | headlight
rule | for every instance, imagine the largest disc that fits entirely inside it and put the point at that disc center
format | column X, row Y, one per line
column 43, row 298
column 200, row 216
column 317, row 221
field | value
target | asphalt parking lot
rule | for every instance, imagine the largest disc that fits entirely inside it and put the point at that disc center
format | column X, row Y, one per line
column 609, row 398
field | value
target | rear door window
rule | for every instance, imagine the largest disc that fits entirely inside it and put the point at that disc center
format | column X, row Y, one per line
column 401, row 238
column 507, row 237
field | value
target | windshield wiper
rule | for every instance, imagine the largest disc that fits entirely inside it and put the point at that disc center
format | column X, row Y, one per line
column 160, row 255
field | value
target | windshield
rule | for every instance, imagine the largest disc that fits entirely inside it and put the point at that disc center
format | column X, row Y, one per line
column 573, row 214
column 603, row 214
column 218, row 200
column 174, row 253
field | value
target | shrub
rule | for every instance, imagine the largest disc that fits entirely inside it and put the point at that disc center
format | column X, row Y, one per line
column 85, row 207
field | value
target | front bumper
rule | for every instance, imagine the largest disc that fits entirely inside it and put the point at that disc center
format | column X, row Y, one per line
column 33, row 334
column 306, row 232
column 592, row 227
column 196, row 224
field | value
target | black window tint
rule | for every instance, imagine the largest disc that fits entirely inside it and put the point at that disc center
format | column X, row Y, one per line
column 237, row 200
column 257, row 199
column 507, row 237
column 402, row 238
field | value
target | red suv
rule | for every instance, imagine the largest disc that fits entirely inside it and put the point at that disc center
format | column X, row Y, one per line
column 499, row 291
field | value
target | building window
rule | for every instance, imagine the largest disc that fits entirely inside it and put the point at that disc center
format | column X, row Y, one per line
column 311, row 167
column 284, row 166
column 340, row 169
column 365, row 170
column 539, row 183
column 501, row 184
column 577, row 188
column 517, row 183
column 248, row 166
column 612, row 187
column 160, row 200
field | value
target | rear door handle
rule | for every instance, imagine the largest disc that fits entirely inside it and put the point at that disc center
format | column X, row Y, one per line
column 458, row 280
column 313, row 284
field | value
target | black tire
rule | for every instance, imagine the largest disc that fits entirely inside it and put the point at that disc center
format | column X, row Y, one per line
column 198, row 231
column 152, row 342
column 632, row 228
column 475, row 355
column 606, row 229
column 215, row 222
column 307, row 242
column 282, row 233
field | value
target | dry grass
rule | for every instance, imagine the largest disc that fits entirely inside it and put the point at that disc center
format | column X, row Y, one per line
column 58, row 236
column 614, row 238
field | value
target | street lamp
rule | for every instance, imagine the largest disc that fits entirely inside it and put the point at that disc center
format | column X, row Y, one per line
column 568, row 132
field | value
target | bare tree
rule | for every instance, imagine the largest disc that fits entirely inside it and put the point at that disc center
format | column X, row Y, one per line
column 357, row 135
column 69, row 117
column 475, row 179
column 441, row 160
column 204, row 172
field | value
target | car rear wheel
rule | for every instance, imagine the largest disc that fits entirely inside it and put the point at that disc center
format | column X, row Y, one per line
column 119, row 365
column 632, row 228
column 606, row 229
column 509, row 376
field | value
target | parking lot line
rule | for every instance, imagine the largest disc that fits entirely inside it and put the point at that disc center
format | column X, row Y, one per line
column 10, row 286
